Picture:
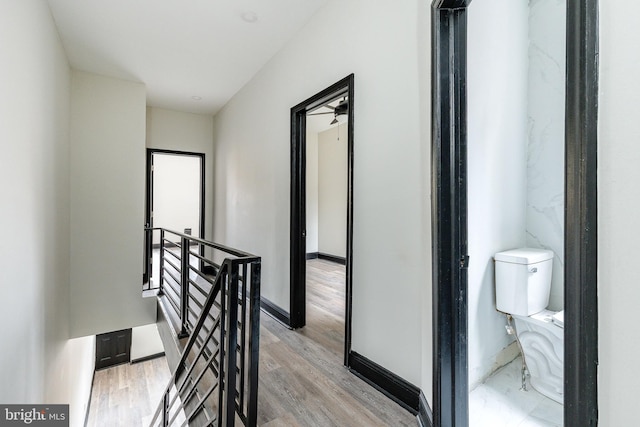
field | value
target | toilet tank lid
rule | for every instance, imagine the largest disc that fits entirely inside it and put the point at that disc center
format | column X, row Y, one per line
column 524, row 255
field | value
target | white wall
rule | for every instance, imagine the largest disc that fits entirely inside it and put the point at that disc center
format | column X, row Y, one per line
column 70, row 376
column 545, row 159
column 497, row 143
column 423, row 23
column 312, row 191
column 326, row 197
column 618, row 207
column 176, row 130
column 107, row 205
column 176, row 193
column 38, row 363
column 382, row 45
column 332, row 191
column 145, row 341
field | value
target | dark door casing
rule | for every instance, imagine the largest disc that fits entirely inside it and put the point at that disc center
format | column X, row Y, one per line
column 148, row 247
column 298, row 253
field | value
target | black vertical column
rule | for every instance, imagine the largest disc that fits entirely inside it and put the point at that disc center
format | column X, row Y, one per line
column 581, row 216
column 449, row 208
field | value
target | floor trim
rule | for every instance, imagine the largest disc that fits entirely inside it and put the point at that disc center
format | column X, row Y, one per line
column 332, row 258
column 327, row 257
column 399, row 390
column 149, row 357
column 278, row 313
column 425, row 416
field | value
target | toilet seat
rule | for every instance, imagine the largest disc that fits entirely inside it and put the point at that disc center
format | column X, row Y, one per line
column 548, row 316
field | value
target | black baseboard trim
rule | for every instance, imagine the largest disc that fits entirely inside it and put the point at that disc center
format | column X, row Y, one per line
column 276, row 312
column 332, row 258
column 425, row 416
column 327, row 257
column 399, row 390
column 149, row 357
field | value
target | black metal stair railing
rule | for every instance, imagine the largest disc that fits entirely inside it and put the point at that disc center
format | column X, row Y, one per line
column 216, row 380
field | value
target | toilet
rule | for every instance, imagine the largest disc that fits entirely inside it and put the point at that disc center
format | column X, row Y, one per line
column 523, row 284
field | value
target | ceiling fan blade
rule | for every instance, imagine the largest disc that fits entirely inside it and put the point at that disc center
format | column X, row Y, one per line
column 319, row 114
column 342, row 104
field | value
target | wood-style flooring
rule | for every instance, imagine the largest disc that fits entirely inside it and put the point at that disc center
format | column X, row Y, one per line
column 127, row 395
column 303, row 382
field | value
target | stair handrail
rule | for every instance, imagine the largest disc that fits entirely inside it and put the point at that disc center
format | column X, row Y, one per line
column 232, row 296
column 235, row 252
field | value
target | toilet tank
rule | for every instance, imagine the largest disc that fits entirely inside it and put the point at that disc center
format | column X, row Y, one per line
column 523, row 280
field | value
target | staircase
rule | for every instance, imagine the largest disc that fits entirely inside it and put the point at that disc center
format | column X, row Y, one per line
column 209, row 323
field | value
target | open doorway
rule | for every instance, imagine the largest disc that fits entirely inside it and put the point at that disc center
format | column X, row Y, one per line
column 326, row 223
column 175, row 201
column 515, row 169
column 449, row 213
column 322, row 144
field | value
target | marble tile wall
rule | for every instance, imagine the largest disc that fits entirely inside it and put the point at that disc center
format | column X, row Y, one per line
column 497, row 52
column 545, row 157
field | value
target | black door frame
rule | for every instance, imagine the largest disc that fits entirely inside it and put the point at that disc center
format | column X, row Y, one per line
column 449, row 211
column 149, row 204
column 298, row 253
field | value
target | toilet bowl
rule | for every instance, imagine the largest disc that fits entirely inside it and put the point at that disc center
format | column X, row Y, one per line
column 542, row 342
column 523, row 285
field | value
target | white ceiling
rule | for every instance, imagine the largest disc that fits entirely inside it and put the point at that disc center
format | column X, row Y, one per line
column 179, row 48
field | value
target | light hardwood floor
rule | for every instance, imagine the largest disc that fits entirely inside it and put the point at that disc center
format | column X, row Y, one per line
column 303, row 382
column 302, row 378
column 127, row 395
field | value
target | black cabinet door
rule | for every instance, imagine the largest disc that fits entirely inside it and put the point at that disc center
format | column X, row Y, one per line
column 113, row 348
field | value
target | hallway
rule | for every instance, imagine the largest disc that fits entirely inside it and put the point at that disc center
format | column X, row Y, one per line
column 303, row 382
